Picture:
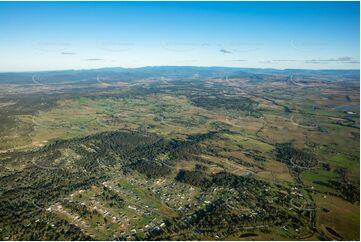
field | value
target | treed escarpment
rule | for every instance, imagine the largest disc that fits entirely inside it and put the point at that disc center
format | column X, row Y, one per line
column 59, row 169
column 65, row 166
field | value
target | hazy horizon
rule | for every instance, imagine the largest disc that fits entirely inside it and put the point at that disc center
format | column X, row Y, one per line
column 149, row 66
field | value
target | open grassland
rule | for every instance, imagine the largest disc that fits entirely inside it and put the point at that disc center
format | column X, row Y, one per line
column 339, row 215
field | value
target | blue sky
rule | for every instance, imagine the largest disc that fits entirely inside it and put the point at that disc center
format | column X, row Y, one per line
column 77, row 35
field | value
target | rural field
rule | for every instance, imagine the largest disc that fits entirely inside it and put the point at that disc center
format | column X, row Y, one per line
column 180, row 153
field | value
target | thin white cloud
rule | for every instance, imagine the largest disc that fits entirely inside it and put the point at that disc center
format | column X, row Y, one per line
column 68, row 53
column 284, row 60
column 94, row 59
column 225, row 51
column 344, row 59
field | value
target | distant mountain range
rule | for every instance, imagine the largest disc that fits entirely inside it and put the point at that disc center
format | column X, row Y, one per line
column 129, row 74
